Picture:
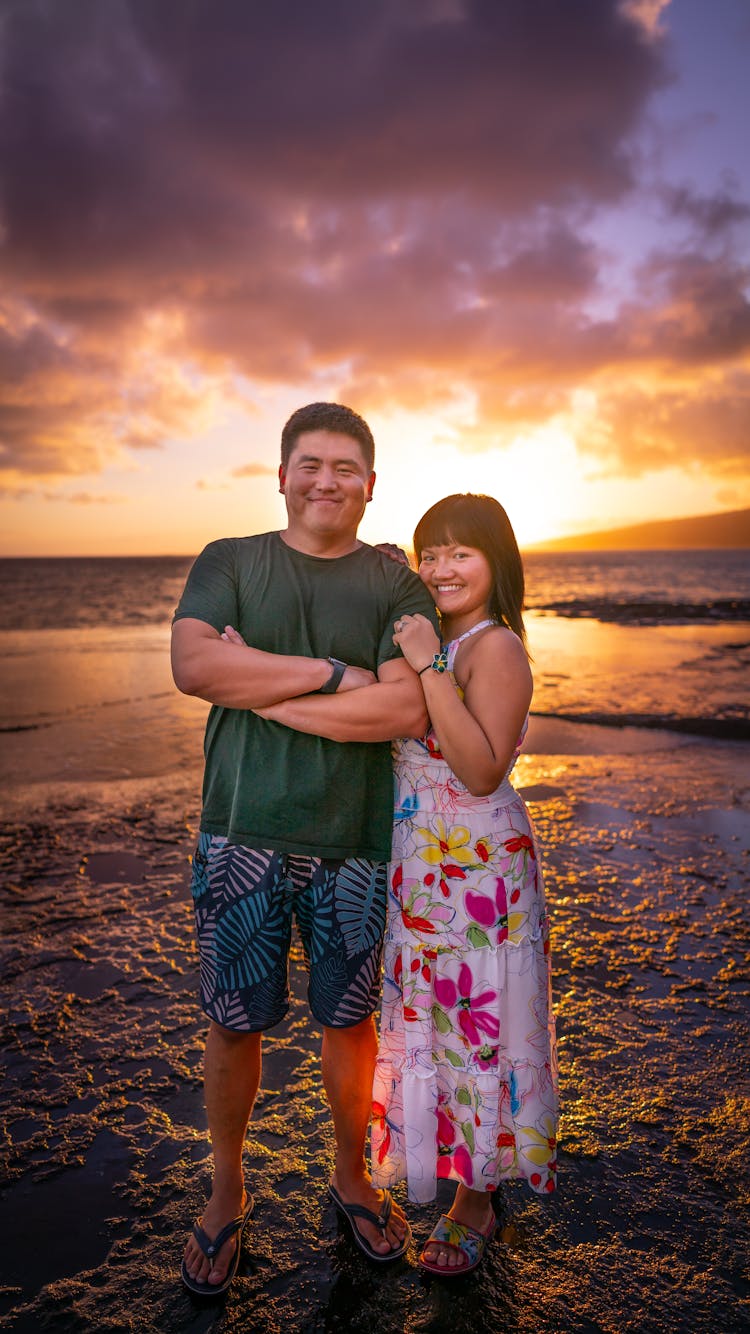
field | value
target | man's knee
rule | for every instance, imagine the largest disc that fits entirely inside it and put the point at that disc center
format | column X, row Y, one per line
column 355, row 1034
column 232, row 1038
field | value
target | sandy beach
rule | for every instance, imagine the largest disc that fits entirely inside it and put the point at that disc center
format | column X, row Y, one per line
column 646, row 838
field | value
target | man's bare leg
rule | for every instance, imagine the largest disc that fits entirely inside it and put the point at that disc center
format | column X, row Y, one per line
column 231, row 1078
column 348, row 1067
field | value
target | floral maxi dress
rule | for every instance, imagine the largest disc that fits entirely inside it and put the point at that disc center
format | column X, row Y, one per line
column 466, row 1076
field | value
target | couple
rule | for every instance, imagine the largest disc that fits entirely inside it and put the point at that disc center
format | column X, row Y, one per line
column 315, row 651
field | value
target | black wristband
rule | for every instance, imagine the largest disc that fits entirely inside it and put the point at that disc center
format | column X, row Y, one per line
column 334, row 680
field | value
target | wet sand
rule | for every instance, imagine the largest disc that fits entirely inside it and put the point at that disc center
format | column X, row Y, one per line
column 646, row 840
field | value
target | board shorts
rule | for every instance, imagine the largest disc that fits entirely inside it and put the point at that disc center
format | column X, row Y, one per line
column 246, row 900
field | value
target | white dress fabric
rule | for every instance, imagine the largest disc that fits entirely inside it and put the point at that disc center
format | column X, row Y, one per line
column 466, row 1075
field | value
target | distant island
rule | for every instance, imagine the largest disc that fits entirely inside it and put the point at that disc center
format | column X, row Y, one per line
column 730, row 529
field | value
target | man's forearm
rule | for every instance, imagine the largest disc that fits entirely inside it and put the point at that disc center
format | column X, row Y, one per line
column 381, row 712
column 237, row 676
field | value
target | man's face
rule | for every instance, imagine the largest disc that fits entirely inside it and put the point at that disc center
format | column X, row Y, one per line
column 326, row 484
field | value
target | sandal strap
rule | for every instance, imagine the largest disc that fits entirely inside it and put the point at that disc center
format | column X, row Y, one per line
column 210, row 1247
column 449, row 1234
column 380, row 1220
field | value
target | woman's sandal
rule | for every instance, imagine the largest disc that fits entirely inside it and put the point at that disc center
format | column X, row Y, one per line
column 453, row 1236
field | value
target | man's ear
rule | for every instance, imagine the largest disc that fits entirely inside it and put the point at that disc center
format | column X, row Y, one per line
column 282, row 478
column 370, row 487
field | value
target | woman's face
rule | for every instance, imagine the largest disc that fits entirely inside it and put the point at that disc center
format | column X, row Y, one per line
column 459, row 579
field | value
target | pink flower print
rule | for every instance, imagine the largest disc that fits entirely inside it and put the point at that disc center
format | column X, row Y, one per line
column 445, row 991
column 488, row 913
column 487, row 1057
column 471, row 1017
column 481, row 907
column 457, row 1159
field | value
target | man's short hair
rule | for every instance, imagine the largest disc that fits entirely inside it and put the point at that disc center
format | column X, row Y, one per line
column 328, row 417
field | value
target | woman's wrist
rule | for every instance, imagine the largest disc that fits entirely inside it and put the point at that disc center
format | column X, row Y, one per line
column 439, row 663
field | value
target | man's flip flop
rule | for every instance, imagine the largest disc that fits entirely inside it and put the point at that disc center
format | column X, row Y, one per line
column 453, row 1236
column 211, row 1248
column 380, row 1221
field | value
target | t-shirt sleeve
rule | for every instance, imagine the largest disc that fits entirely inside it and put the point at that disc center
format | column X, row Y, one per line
column 409, row 597
column 211, row 590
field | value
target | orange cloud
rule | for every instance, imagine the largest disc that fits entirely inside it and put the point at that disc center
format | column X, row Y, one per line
column 413, row 218
column 254, row 470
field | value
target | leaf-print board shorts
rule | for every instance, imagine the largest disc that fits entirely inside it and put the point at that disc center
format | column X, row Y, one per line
column 245, row 901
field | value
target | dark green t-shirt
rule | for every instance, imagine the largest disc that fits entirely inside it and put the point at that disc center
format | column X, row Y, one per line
column 266, row 785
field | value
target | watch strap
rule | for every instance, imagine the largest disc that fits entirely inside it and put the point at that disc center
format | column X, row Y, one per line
column 334, row 680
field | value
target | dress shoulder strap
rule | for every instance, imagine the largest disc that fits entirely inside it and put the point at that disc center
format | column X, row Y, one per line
column 481, row 625
column 454, row 643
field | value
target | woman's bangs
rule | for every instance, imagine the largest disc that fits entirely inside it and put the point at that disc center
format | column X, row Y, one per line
column 445, row 525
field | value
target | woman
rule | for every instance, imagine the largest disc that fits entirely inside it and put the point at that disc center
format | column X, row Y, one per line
column 465, row 1085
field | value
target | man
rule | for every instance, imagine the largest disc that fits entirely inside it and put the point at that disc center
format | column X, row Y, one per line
column 297, row 813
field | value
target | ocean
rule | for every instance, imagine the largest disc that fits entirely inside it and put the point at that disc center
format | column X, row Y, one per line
column 627, row 587
column 619, row 639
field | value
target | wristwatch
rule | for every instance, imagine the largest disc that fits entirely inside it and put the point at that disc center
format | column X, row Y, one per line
column 334, row 680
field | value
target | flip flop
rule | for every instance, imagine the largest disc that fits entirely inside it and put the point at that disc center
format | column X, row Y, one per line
column 453, row 1236
column 211, row 1248
column 380, row 1221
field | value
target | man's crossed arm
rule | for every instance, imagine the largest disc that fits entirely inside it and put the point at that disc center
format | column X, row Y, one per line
column 226, row 671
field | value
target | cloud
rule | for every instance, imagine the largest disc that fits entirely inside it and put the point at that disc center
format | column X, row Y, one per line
column 254, row 470
column 162, row 132
column 400, row 194
column 711, row 215
column 60, row 497
column 86, row 498
column 704, row 314
column 646, row 12
column 73, row 400
column 636, row 431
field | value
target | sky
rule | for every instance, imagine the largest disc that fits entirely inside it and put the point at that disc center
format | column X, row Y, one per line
column 514, row 235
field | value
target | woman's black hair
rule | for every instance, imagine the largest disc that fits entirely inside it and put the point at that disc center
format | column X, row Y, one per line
column 481, row 522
